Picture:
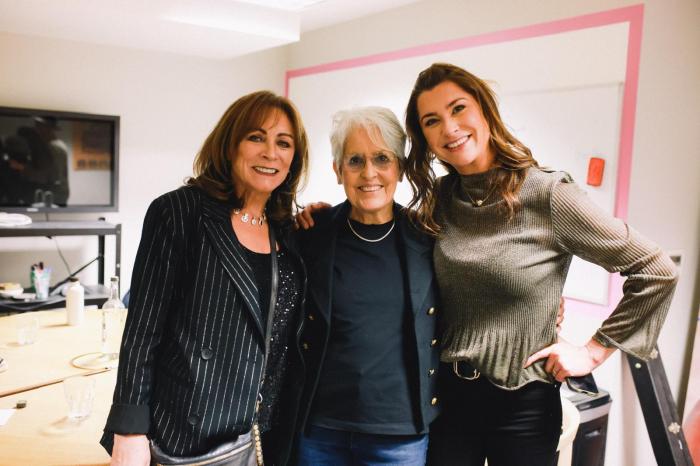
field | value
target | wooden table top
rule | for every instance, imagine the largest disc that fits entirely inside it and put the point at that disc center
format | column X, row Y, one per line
column 49, row 358
column 41, row 434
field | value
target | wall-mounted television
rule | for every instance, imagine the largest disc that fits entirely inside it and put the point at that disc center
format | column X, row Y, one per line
column 53, row 161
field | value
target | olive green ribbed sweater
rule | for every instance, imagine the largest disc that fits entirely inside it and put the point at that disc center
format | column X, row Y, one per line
column 500, row 280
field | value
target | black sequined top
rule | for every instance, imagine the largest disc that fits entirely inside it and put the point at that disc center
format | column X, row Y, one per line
column 288, row 296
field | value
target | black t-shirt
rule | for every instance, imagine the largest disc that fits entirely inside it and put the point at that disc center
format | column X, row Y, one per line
column 364, row 384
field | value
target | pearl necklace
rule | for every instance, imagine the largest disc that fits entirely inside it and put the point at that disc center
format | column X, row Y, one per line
column 393, row 224
column 246, row 217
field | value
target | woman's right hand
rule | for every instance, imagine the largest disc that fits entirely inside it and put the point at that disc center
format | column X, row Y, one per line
column 130, row 450
column 305, row 219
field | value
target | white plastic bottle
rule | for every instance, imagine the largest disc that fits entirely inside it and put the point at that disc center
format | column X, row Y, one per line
column 75, row 302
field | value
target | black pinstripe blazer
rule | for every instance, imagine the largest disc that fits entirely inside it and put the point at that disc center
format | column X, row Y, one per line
column 192, row 351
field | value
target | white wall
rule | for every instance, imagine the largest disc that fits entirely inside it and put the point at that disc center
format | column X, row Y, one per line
column 167, row 103
column 665, row 185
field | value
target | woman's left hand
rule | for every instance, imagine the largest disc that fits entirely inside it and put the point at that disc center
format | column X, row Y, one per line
column 567, row 360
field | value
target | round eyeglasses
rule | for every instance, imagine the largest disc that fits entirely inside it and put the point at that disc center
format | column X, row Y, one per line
column 358, row 162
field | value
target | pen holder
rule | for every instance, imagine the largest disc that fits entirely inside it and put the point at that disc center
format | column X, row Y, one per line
column 40, row 282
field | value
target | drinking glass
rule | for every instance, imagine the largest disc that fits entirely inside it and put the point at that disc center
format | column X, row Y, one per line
column 80, row 392
column 27, row 329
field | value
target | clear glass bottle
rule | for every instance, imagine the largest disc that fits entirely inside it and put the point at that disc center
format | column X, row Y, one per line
column 113, row 319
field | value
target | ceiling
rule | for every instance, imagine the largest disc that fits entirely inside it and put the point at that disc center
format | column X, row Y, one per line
column 217, row 29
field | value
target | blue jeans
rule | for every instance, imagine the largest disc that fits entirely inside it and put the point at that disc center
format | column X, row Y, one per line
column 328, row 447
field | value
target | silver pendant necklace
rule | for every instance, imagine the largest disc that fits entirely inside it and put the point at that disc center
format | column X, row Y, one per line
column 393, row 224
column 479, row 202
column 246, row 217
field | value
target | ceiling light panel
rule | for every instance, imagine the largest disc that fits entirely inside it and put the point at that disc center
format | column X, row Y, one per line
column 286, row 5
column 238, row 17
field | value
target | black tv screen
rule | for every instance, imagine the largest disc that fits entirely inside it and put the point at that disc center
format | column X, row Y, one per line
column 58, row 161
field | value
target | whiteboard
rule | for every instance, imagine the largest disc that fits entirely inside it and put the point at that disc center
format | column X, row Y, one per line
column 563, row 129
column 561, row 94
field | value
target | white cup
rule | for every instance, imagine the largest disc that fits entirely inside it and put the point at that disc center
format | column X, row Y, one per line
column 27, row 329
column 80, row 392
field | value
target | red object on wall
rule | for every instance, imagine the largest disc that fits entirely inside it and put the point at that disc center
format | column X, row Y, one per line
column 596, row 167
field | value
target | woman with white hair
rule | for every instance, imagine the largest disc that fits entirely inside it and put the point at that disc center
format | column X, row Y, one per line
column 369, row 340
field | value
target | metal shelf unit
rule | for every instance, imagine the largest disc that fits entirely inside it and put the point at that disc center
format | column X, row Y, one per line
column 99, row 228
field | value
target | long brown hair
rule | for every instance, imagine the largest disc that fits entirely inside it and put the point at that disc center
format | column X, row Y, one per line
column 212, row 166
column 512, row 156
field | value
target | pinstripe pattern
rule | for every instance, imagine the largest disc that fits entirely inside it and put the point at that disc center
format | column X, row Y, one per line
column 192, row 351
column 500, row 280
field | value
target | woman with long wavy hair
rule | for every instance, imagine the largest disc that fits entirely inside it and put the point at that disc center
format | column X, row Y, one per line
column 506, row 230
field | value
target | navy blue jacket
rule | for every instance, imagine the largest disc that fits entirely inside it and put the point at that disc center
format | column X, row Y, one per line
column 317, row 247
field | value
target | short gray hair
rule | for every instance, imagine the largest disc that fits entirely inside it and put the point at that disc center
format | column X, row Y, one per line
column 345, row 121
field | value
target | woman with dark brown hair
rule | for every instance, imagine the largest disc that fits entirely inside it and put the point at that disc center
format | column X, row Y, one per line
column 506, row 231
column 211, row 339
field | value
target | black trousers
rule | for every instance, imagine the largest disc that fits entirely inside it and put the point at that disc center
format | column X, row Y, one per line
column 480, row 421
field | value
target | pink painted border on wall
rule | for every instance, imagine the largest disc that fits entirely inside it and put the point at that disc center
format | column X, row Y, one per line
column 633, row 15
